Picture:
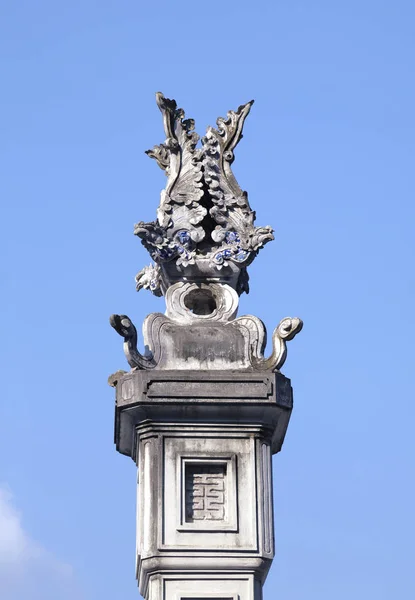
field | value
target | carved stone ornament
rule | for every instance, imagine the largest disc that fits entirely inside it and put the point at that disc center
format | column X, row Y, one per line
column 205, row 226
column 202, row 410
column 201, row 243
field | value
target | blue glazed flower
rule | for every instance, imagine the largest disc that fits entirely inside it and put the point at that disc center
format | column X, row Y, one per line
column 219, row 260
column 184, row 237
column 232, row 237
column 186, row 258
column 241, row 255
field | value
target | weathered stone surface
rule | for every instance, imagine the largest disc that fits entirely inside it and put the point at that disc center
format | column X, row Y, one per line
column 205, row 341
column 239, row 535
column 194, row 396
column 203, row 435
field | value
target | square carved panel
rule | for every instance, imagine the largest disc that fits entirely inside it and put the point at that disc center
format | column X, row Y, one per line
column 208, row 494
column 205, row 492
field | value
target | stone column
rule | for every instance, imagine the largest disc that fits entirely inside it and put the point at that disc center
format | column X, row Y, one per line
column 202, row 411
column 203, row 443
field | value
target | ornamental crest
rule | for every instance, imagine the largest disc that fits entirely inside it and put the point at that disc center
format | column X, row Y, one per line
column 204, row 229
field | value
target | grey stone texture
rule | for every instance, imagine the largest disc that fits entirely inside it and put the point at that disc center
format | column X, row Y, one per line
column 210, row 338
column 202, row 410
column 203, row 443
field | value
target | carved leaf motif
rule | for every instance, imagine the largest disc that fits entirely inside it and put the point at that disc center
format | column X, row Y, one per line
column 177, row 156
column 231, row 208
column 219, row 145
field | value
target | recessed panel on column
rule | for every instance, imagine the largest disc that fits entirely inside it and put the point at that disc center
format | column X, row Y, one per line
column 209, row 493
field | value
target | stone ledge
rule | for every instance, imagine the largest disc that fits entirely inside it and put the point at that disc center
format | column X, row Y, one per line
column 207, row 386
column 231, row 568
column 198, row 397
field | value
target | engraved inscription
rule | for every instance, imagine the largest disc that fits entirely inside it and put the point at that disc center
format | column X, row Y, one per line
column 205, row 492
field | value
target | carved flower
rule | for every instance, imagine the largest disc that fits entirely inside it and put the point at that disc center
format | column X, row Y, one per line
column 185, row 258
column 184, row 238
column 218, row 260
column 232, row 237
column 240, row 255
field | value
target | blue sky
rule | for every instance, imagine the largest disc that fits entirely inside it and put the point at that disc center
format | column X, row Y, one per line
column 328, row 160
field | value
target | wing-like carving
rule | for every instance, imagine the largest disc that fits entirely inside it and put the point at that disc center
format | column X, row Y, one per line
column 218, row 147
column 231, row 209
column 178, row 157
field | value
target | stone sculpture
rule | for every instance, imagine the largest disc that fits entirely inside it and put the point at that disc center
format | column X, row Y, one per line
column 202, row 242
column 202, row 410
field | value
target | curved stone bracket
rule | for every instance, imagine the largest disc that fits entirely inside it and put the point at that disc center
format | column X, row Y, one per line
column 286, row 331
column 170, row 342
column 126, row 329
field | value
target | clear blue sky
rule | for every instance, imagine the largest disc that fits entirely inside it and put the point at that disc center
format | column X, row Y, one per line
column 328, row 160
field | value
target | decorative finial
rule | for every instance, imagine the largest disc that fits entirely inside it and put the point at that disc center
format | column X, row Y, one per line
column 202, row 242
column 204, row 230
